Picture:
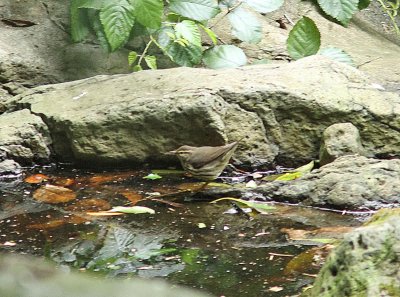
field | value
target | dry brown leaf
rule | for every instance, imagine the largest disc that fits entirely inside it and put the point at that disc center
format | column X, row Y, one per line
column 36, row 178
column 111, row 177
column 63, row 181
column 48, row 225
column 54, row 194
column 132, row 196
column 89, row 204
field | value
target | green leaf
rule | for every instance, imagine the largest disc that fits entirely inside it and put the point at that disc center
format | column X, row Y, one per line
column 93, row 4
column 148, row 12
column 79, row 22
column 151, row 62
column 210, row 34
column 337, row 54
column 304, row 39
column 152, row 176
column 363, row 4
column 245, row 26
column 259, row 206
column 264, row 6
column 188, row 55
column 132, row 56
column 117, row 20
column 137, row 68
column 224, row 56
column 199, row 10
column 189, row 31
column 97, row 27
column 342, row 10
column 132, row 209
column 297, row 173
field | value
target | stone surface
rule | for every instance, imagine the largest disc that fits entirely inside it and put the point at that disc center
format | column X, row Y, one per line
column 339, row 140
column 378, row 59
column 27, row 277
column 9, row 166
column 366, row 263
column 280, row 112
column 43, row 53
column 349, row 182
column 24, row 137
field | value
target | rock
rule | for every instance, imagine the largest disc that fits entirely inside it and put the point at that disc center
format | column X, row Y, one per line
column 366, row 263
column 340, row 140
column 43, row 53
column 22, row 276
column 9, row 167
column 24, row 137
column 280, row 111
column 350, row 182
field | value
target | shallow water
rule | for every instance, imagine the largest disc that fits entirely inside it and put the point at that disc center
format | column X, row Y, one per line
column 188, row 242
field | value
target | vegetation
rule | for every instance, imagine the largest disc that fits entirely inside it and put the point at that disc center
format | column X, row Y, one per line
column 183, row 29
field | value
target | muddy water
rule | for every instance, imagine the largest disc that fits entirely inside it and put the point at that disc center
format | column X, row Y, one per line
column 188, row 242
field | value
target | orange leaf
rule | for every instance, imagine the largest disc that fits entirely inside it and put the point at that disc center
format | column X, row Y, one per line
column 54, row 194
column 132, row 196
column 110, row 177
column 48, row 225
column 36, row 178
column 64, row 181
column 89, row 204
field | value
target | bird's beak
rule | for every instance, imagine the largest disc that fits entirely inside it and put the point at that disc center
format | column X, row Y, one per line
column 170, row 153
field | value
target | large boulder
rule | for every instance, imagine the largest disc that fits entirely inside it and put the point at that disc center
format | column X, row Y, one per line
column 348, row 183
column 280, row 112
column 366, row 263
column 24, row 138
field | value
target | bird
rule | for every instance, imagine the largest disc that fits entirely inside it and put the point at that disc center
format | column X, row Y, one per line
column 205, row 162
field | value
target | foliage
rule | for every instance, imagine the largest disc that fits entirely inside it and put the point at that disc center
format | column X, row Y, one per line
column 391, row 8
column 180, row 27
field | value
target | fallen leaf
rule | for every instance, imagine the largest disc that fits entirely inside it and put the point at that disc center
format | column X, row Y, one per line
column 54, row 194
column 132, row 196
column 48, row 225
column 110, row 177
column 152, row 176
column 104, row 214
column 63, row 181
column 297, row 173
column 261, row 207
column 36, row 178
column 132, row 209
column 89, row 204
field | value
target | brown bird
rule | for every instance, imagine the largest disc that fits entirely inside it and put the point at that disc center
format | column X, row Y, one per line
column 205, row 162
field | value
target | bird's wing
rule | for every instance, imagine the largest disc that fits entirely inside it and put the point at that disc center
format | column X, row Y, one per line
column 209, row 156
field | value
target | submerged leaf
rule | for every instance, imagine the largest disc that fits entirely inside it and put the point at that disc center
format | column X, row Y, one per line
column 258, row 206
column 36, row 178
column 132, row 209
column 54, row 194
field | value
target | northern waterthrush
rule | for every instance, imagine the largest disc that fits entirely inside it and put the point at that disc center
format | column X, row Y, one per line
column 205, row 162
